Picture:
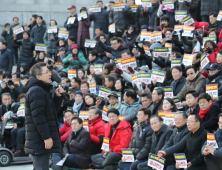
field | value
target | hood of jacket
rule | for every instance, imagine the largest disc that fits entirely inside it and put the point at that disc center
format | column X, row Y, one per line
column 36, row 82
column 215, row 76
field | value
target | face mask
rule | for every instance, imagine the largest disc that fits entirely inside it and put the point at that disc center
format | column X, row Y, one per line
column 140, row 45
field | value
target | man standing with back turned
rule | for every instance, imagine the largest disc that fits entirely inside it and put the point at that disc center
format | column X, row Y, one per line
column 42, row 135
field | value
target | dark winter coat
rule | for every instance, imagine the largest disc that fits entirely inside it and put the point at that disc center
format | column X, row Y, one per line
column 115, row 53
column 6, row 60
column 152, row 12
column 217, row 25
column 141, row 18
column 120, row 18
column 130, row 39
column 178, row 85
column 191, row 146
column 79, row 144
column 96, row 61
column 13, row 93
column 209, row 122
column 51, row 45
column 101, row 19
column 159, row 139
column 208, row 5
column 40, row 118
column 18, row 36
column 37, row 33
column 8, row 37
column 74, row 27
column 83, row 32
column 176, row 137
column 141, row 141
column 26, row 53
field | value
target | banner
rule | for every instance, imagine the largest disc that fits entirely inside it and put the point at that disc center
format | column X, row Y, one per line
column 146, row 3
column 17, row 29
column 212, row 90
column 118, row 6
column 82, row 15
column 90, row 43
column 63, row 34
column 98, row 68
column 145, row 35
column 112, row 28
column 168, row 91
column 219, row 16
column 128, row 62
column 155, row 162
column 158, row 75
column 71, row 73
column 161, row 52
column 161, row 113
column 187, row 31
column 188, row 20
column 92, row 88
column 134, row 8
column 168, row 4
column 84, row 115
column 188, row 59
column 177, row 102
column 128, row 155
column 204, row 61
column 156, row 36
column 175, row 62
column 211, row 140
column 104, row 92
column 181, row 160
column 104, row 113
column 105, row 145
column 85, row 124
column 71, row 20
column 179, row 15
column 144, row 78
column 147, row 50
column 40, row 47
column 95, row 8
column 169, row 118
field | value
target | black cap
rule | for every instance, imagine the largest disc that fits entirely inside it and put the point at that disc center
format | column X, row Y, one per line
column 113, row 94
column 113, row 110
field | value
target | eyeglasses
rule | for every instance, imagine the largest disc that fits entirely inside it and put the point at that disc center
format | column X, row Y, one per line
column 168, row 33
column 113, row 44
column 47, row 72
column 189, row 74
column 178, row 120
column 112, row 117
column 190, row 122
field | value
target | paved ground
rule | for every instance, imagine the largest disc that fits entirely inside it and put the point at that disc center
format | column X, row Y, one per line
column 18, row 167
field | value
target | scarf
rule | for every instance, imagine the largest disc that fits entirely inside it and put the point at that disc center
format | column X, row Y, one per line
column 203, row 113
column 140, row 128
column 76, row 107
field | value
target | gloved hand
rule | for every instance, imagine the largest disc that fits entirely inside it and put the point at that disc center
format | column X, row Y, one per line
column 119, row 71
column 195, row 32
column 76, row 58
column 143, row 85
column 209, row 50
column 163, row 6
column 83, row 19
column 181, row 31
column 135, row 87
column 131, row 70
column 69, row 26
column 169, row 10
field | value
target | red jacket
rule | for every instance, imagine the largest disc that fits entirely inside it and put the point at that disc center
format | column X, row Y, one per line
column 121, row 136
column 96, row 130
column 199, row 25
column 212, row 56
column 64, row 131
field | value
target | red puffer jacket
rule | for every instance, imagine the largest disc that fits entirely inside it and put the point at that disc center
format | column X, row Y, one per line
column 96, row 130
column 121, row 136
column 64, row 131
column 212, row 56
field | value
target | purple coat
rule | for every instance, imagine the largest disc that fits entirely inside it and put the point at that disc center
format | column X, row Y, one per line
column 83, row 32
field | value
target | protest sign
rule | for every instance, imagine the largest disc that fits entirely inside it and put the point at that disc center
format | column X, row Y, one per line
column 188, row 59
column 17, row 29
column 177, row 102
column 63, row 34
column 181, row 160
column 161, row 52
column 112, row 28
column 118, row 6
column 211, row 140
column 71, row 20
column 180, row 14
column 175, row 62
column 90, row 43
column 128, row 155
column 188, row 20
column 187, row 31
column 71, row 73
column 84, row 115
column 82, row 15
column 158, row 75
column 95, row 8
column 40, row 47
column 204, row 61
column 105, row 145
column 145, row 35
column 146, row 3
column 156, row 36
column 85, row 124
column 155, row 162
column 168, row 91
column 144, row 78
column 92, row 88
column 168, row 4
column 104, row 92
column 104, row 113
column 212, row 90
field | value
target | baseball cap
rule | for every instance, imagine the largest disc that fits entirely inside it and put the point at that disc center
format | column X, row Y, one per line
column 62, row 49
column 144, row 68
column 214, row 66
column 71, row 7
column 113, row 94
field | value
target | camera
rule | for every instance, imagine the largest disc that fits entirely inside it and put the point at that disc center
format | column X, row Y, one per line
column 9, row 83
column 65, row 95
column 50, row 67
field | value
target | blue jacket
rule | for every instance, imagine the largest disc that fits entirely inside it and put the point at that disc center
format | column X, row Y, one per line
column 37, row 34
column 6, row 60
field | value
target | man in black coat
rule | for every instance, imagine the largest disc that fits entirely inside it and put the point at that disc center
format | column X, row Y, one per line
column 72, row 27
column 77, row 147
column 213, row 22
column 38, row 31
column 6, row 57
column 178, row 79
column 42, row 133
column 160, row 136
column 141, row 140
column 192, row 144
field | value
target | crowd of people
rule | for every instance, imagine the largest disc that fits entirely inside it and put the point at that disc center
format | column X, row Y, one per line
column 150, row 81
